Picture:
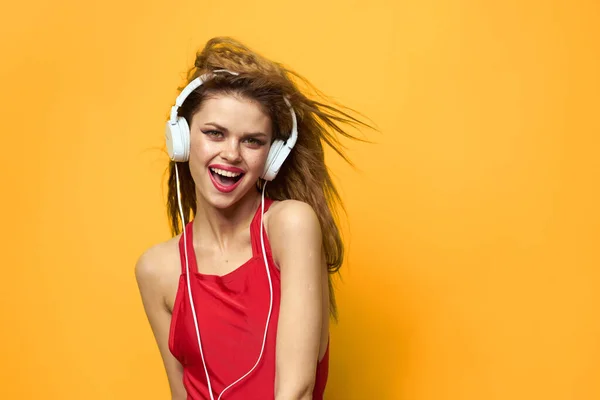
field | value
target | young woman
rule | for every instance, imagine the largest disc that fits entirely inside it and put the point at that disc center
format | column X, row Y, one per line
column 239, row 299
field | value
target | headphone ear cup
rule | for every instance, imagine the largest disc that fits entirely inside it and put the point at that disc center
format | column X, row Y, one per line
column 177, row 137
column 277, row 155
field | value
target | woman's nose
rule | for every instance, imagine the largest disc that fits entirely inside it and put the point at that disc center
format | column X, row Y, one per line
column 231, row 151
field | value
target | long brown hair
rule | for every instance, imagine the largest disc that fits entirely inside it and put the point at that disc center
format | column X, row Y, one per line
column 304, row 175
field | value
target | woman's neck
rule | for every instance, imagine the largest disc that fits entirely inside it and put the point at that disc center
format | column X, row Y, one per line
column 219, row 227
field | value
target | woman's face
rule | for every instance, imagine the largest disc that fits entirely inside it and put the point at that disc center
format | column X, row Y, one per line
column 230, row 137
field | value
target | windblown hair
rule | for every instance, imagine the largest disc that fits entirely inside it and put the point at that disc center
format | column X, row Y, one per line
column 304, row 175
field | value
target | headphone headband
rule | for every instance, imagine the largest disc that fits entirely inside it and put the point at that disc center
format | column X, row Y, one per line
column 193, row 85
column 177, row 134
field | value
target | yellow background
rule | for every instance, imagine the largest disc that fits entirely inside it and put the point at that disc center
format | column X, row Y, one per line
column 473, row 222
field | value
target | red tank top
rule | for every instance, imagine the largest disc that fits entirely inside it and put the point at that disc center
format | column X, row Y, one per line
column 231, row 311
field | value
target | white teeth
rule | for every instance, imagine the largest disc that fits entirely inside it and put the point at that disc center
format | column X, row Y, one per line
column 225, row 173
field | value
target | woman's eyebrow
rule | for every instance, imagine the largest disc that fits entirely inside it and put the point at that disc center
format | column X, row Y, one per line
column 246, row 134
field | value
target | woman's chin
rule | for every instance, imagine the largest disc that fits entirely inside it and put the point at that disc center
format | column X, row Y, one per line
column 222, row 201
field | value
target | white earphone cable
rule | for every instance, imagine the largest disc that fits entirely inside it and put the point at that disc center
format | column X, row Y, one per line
column 187, row 270
column 187, row 273
column 262, row 242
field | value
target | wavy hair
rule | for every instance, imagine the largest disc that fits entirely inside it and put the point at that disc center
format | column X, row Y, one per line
column 304, row 175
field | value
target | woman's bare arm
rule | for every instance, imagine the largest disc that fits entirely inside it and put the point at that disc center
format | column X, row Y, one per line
column 296, row 240
column 150, row 275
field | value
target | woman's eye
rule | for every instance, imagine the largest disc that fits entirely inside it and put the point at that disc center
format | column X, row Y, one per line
column 254, row 142
column 212, row 133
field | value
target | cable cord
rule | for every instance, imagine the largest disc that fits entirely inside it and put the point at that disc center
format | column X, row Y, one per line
column 189, row 286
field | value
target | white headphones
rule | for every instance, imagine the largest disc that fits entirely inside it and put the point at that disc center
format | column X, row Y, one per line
column 177, row 132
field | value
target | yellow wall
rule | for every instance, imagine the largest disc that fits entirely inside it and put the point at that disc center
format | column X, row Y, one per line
column 473, row 255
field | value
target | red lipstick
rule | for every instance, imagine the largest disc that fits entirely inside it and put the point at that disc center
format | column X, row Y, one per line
column 220, row 187
column 227, row 168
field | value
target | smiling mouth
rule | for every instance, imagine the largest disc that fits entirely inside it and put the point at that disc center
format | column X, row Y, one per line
column 226, row 178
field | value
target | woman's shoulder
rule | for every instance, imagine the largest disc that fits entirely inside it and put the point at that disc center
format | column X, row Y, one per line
column 284, row 210
column 291, row 218
column 286, row 214
column 159, row 263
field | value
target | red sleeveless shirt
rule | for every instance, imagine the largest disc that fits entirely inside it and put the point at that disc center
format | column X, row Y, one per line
column 231, row 311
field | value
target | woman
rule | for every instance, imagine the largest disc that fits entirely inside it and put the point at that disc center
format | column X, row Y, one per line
column 239, row 299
